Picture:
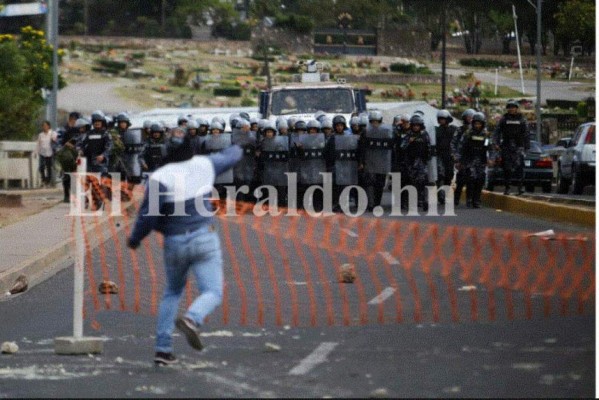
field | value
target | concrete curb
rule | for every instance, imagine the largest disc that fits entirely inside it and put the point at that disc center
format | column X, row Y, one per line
column 541, row 209
column 49, row 262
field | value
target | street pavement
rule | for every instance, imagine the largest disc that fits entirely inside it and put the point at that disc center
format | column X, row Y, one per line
column 550, row 89
column 540, row 357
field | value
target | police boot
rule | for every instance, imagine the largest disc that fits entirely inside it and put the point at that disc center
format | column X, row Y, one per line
column 456, row 195
column 476, row 196
column 520, row 189
column 506, row 191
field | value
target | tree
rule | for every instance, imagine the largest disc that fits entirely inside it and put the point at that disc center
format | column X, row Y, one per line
column 576, row 22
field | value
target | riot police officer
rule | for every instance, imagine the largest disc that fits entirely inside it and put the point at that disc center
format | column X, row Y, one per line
column 155, row 149
column 182, row 121
column 354, row 124
column 511, row 140
column 132, row 141
column 472, row 158
column 444, row 133
column 245, row 171
column 96, row 145
column 401, row 128
column 377, row 152
column 313, row 126
column 460, row 175
column 282, row 126
column 416, row 148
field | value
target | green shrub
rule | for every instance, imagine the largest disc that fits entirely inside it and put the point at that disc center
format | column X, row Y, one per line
column 484, row 63
column 227, row 91
column 111, row 64
column 297, row 23
column 247, row 102
column 138, row 56
column 409, row 69
column 565, row 104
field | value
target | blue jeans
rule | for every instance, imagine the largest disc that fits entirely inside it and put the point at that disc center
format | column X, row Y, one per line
column 200, row 252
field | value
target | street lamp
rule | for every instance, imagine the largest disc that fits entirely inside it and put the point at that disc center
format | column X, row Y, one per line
column 344, row 20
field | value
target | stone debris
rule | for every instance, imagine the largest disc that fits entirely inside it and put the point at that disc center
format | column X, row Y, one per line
column 20, row 285
column 347, row 273
column 9, row 348
column 108, row 287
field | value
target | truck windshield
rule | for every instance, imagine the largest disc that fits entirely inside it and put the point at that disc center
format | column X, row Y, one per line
column 301, row 101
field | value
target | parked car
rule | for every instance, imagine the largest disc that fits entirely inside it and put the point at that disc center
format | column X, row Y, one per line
column 538, row 170
column 576, row 165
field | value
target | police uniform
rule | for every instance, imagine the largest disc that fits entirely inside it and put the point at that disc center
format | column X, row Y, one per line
column 472, row 156
column 511, row 136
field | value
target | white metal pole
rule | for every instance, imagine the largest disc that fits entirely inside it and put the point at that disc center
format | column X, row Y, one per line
column 571, row 67
column 79, row 258
column 496, row 79
column 518, row 48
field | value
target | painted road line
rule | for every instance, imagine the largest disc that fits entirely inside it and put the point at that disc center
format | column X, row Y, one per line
column 318, row 356
column 384, row 295
column 349, row 232
column 389, row 258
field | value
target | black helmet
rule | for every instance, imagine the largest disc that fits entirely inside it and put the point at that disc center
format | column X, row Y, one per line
column 444, row 114
column 244, row 115
column 512, row 103
column 416, row 119
column 339, row 119
column 468, row 113
column 98, row 116
column 301, row 126
column 478, row 116
column 123, row 117
column 75, row 115
column 156, row 128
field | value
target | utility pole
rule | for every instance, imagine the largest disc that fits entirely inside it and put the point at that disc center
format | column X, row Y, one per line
column 539, row 70
column 52, row 35
column 443, row 55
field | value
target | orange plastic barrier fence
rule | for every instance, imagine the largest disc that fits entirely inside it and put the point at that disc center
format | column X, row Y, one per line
column 299, row 270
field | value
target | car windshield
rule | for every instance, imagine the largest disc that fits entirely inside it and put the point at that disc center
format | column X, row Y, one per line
column 535, row 147
column 302, row 101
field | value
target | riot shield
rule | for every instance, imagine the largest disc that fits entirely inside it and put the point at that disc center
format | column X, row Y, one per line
column 134, row 146
column 312, row 159
column 275, row 153
column 378, row 153
column 432, row 163
column 346, row 161
column 244, row 169
column 215, row 143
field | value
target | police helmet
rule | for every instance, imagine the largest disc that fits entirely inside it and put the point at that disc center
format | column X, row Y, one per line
column 354, row 121
column 147, row 124
column 74, row 115
column 233, row 117
column 318, row 115
column 243, row 122
column 156, row 127
column 123, row 117
column 313, row 124
column 217, row 125
column 282, row 123
column 416, row 119
column 291, row 122
column 98, row 116
column 480, row 117
column 375, row 115
column 512, row 103
column 82, row 122
column 444, row 114
column 203, row 122
column 327, row 123
column 397, row 120
column 340, row 119
column 219, row 119
column 234, row 122
column 182, row 118
column 244, row 115
column 468, row 113
column 419, row 112
column 364, row 120
column 301, row 126
column 269, row 126
column 254, row 120
column 191, row 124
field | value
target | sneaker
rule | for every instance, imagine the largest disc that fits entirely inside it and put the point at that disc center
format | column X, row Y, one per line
column 190, row 330
column 161, row 358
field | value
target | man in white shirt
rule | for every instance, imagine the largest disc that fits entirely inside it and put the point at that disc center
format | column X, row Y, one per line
column 46, row 141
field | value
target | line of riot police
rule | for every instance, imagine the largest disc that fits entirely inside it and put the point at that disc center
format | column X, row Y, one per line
column 360, row 153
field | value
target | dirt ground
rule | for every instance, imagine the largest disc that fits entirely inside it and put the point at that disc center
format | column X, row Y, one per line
column 33, row 203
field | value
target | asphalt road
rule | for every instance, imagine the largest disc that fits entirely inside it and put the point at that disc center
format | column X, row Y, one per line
column 308, row 357
column 550, row 89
